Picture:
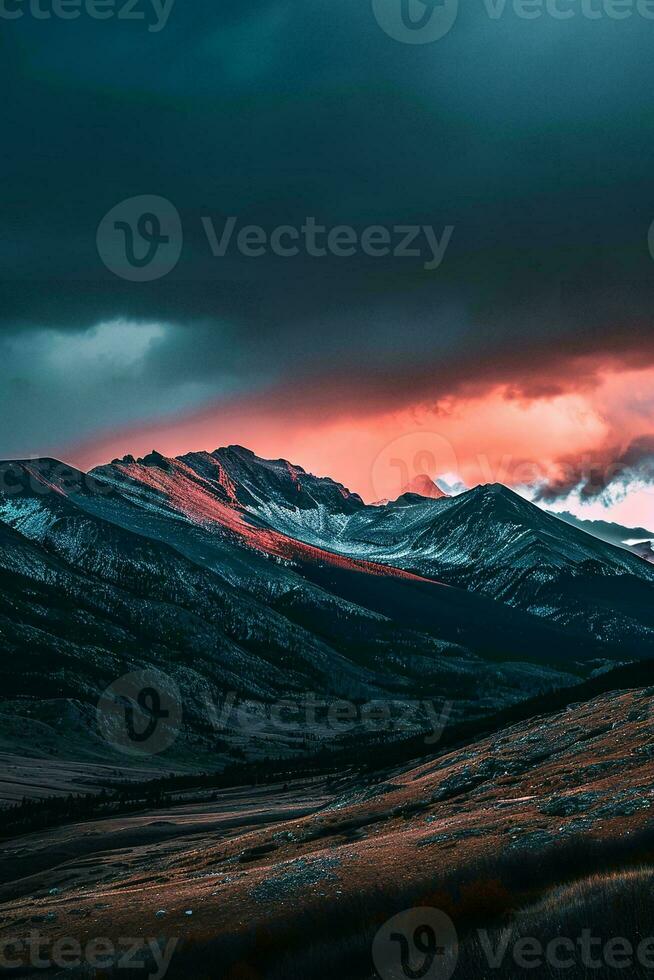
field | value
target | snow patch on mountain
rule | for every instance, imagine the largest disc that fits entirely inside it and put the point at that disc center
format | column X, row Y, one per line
column 28, row 516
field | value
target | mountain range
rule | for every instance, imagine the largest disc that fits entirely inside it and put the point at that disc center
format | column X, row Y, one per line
column 251, row 578
column 636, row 539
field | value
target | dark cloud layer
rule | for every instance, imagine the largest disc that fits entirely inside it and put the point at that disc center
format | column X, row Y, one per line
column 609, row 472
column 532, row 138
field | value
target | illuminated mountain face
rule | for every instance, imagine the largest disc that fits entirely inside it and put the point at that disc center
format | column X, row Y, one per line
column 242, row 574
column 488, row 540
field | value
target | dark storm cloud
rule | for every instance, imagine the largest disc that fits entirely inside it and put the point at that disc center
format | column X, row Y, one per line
column 532, row 138
column 612, row 469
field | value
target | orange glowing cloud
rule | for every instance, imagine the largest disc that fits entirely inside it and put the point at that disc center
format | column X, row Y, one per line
column 520, row 434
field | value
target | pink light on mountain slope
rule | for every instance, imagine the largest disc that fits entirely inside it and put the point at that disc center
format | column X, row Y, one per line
column 213, row 504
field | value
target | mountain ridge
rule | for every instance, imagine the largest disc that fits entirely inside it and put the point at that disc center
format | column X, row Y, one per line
column 235, row 573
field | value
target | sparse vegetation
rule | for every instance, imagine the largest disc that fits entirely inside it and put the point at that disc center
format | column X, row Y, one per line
column 543, row 893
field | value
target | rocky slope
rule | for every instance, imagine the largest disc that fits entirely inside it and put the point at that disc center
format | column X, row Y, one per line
column 170, row 564
column 487, row 540
column 271, row 882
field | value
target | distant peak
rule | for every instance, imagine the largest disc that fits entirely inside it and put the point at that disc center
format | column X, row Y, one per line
column 423, row 486
column 243, row 454
column 498, row 495
column 494, row 489
column 238, row 450
column 156, row 459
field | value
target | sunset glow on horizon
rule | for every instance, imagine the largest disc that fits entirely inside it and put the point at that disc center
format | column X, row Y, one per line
column 525, row 441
